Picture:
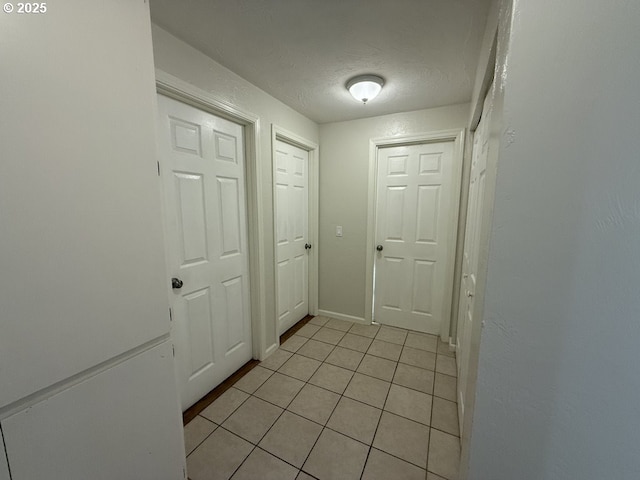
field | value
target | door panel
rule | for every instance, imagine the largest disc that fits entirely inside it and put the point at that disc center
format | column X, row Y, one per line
column 470, row 257
column 414, row 204
column 205, row 209
column 292, row 233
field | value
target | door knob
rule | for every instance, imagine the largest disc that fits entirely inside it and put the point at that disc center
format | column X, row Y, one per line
column 307, row 246
column 176, row 283
column 469, row 294
column 379, row 248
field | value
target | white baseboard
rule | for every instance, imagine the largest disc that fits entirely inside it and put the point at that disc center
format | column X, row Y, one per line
column 343, row 316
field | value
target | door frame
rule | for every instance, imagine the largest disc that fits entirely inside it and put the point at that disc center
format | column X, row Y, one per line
column 173, row 87
column 375, row 144
column 284, row 135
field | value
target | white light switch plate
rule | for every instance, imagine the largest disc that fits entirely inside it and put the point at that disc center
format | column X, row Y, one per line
column 338, row 230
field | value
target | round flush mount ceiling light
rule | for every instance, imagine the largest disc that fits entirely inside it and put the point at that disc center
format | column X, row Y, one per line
column 365, row 87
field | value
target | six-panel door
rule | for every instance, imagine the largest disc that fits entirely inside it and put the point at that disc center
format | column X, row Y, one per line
column 206, row 222
column 414, row 197
column 292, row 233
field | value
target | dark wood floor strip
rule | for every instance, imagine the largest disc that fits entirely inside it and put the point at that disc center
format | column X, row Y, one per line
column 289, row 333
column 194, row 410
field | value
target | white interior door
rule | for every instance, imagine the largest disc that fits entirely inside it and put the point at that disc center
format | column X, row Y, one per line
column 206, row 221
column 415, row 198
column 292, row 233
column 471, row 252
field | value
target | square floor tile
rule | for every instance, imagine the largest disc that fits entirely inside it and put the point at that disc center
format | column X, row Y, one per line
column 409, row 403
column 336, row 456
column 445, row 416
column 308, row 330
column 331, row 377
column 445, row 386
column 414, row 377
column 339, row 325
column 444, row 454
column 392, row 335
column 252, row 420
column 377, row 367
column 319, row 320
column 343, row 357
column 390, row 351
column 382, row 466
column 304, row 476
column 445, row 349
column 430, row 476
column 253, row 379
column 279, row 389
column 355, row 419
column 218, row 456
column 403, row 438
column 263, row 465
column 224, row 405
column 294, row 343
column 418, row 358
column 316, row 350
column 276, row 359
column 422, row 341
column 291, row 438
column 196, row 431
column 314, row 403
column 369, row 390
column 299, row 367
column 446, row 365
column 328, row 335
column 365, row 330
column 355, row 342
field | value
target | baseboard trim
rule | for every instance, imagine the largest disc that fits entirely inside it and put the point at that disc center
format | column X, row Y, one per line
column 343, row 316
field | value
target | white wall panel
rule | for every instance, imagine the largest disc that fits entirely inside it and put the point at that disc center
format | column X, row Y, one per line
column 123, row 423
column 4, row 468
column 82, row 259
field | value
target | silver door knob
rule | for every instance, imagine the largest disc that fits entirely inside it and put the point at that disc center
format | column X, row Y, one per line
column 307, row 246
column 379, row 248
column 176, row 283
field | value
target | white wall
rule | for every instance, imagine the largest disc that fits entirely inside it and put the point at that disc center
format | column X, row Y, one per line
column 4, row 467
column 81, row 249
column 83, row 289
column 558, row 383
column 344, row 167
column 183, row 61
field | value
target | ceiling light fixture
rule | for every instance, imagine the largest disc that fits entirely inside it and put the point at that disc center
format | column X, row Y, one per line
column 365, row 87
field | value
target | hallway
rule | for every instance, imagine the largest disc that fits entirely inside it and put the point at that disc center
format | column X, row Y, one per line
column 337, row 400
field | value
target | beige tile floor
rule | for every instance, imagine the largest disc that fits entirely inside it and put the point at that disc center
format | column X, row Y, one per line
column 337, row 401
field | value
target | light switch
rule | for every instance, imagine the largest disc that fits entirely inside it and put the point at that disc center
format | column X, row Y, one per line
column 338, row 230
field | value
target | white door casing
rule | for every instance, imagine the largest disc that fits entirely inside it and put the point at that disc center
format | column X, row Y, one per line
column 206, row 222
column 471, row 251
column 291, row 199
column 416, row 215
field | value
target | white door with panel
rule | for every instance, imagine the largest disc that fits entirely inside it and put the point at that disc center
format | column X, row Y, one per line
column 416, row 188
column 292, row 233
column 206, row 222
column 471, row 252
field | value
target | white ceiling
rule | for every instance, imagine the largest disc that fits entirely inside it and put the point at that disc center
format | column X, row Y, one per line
column 303, row 51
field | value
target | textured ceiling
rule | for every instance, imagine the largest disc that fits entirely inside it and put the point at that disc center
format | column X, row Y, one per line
column 303, row 51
